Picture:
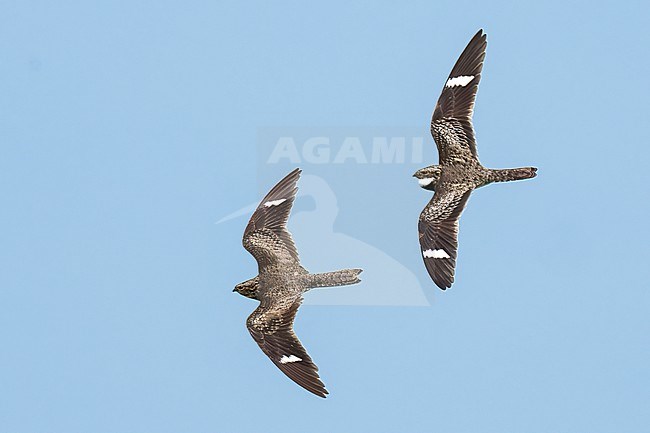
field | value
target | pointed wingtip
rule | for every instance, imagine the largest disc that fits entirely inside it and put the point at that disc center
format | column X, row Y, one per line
column 252, row 206
column 480, row 36
column 295, row 172
column 442, row 286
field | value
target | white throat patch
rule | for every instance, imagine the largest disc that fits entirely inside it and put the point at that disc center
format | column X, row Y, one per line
column 291, row 358
column 435, row 254
column 425, row 182
column 275, row 202
column 462, row 81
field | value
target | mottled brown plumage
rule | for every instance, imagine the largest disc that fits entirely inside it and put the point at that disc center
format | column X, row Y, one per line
column 459, row 171
column 280, row 284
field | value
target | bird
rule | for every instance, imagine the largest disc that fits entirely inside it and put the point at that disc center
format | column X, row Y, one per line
column 458, row 171
column 280, row 285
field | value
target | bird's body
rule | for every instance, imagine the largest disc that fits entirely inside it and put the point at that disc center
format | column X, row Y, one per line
column 280, row 284
column 459, row 171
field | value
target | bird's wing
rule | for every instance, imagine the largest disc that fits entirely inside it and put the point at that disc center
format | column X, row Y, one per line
column 266, row 236
column 451, row 124
column 438, row 229
column 271, row 326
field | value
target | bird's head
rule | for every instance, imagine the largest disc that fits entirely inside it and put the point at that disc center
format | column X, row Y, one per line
column 428, row 177
column 248, row 288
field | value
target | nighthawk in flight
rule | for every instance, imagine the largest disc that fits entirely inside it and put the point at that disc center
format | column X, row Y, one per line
column 459, row 171
column 280, row 283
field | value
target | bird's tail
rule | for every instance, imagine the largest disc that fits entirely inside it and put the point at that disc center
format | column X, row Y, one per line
column 509, row 174
column 337, row 278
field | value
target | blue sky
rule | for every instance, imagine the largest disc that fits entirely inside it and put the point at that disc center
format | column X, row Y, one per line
column 127, row 129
